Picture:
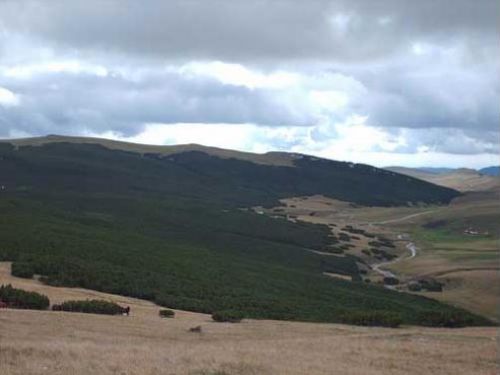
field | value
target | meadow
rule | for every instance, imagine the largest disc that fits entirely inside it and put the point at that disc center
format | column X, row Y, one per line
column 60, row 343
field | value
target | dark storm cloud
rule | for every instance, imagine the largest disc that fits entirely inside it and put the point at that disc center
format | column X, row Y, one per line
column 434, row 96
column 69, row 103
column 242, row 30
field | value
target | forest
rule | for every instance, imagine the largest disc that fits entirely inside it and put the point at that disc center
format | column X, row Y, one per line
column 178, row 231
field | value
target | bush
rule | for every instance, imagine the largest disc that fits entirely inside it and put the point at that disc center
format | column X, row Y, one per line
column 344, row 237
column 165, row 313
column 431, row 285
column 22, row 299
column 391, row 280
column 443, row 319
column 22, row 269
column 372, row 318
column 335, row 250
column 92, row 307
column 230, row 316
column 414, row 287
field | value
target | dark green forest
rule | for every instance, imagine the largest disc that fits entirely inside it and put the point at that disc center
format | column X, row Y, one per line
column 172, row 230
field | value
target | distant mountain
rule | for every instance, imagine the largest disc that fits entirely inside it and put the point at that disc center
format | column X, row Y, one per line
column 491, row 171
column 462, row 179
column 174, row 225
column 436, row 170
column 238, row 177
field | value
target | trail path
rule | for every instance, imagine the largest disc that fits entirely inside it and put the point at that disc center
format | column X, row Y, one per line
column 386, row 273
column 410, row 245
column 403, row 218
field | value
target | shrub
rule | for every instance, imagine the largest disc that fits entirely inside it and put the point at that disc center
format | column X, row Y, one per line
column 443, row 319
column 414, row 287
column 230, row 316
column 344, row 237
column 166, row 313
column 431, row 285
column 391, row 280
column 372, row 318
column 22, row 269
column 22, row 299
column 335, row 250
column 92, row 307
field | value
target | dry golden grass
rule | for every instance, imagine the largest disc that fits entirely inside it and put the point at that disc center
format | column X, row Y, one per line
column 65, row 343
column 475, row 290
column 460, row 179
column 44, row 342
column 34, row 342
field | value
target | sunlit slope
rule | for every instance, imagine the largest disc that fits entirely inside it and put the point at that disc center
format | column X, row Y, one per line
column 462, row 179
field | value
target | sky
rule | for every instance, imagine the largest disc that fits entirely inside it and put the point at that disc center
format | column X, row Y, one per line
column 386, row 82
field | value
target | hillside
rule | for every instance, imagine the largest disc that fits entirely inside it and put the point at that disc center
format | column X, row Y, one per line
column 39, row 342
column 177, row 229
column 491, row 171
column 462, row 179
column 270, row 158
column 200, row 172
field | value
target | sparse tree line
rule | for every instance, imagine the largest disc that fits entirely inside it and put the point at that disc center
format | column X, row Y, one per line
column 21, row 299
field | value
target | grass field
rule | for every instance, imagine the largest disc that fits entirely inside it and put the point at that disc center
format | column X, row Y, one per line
column 468, row 265
column 58, row 343
column 459, row 179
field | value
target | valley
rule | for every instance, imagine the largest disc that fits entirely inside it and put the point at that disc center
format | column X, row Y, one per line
column 432, row 243
column 178, row 230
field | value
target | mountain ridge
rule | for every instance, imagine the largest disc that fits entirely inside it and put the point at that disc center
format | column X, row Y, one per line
column 461, row 179
column 268, row 158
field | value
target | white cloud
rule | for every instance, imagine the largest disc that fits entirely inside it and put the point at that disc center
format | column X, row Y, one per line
column 239, row 75
column 215, row 135
column 8, row 98
column 27, row 71
column 352, row 140
column 329, row 99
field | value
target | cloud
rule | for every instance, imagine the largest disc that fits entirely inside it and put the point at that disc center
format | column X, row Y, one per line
column 346, row 79
column 243, row 31
column 8, row 98
column 75, row 97
column 353, row 141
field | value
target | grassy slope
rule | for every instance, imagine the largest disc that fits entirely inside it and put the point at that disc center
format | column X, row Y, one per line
column 460, row 179
column 38, row 342
column 467, row 265
column 170, row 230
